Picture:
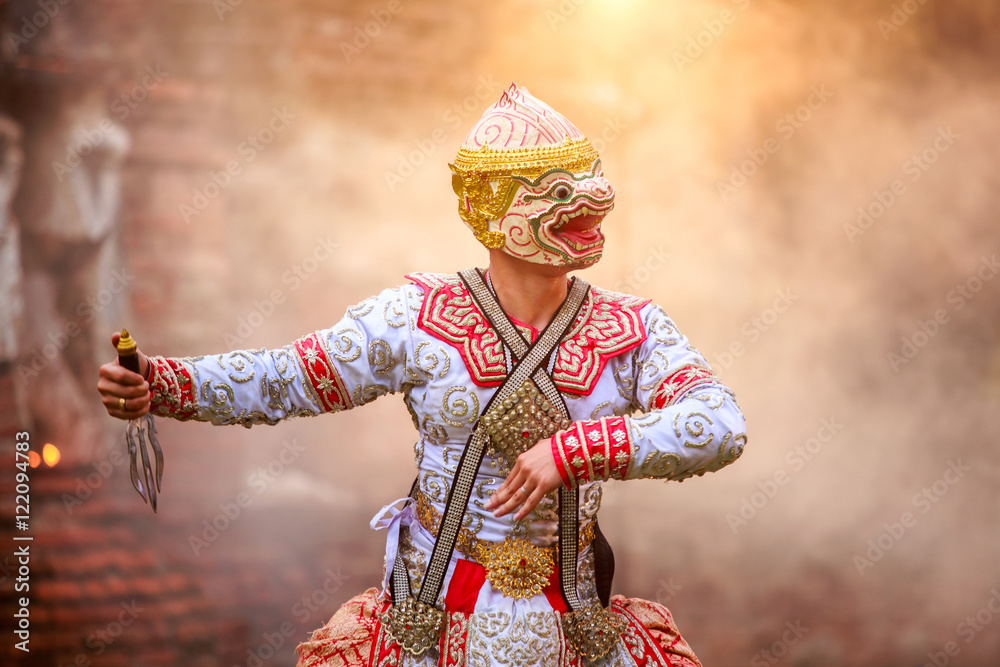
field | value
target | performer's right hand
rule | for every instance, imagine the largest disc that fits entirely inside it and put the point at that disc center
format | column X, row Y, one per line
column 116, row 383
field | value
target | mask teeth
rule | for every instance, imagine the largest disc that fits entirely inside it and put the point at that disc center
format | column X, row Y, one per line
column 585, row 210
column 566, row 217
column 585, row 246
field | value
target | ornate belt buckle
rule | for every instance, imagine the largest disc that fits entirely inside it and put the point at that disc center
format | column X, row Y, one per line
column 516, row 567
column 414, row 625
column 593, row 630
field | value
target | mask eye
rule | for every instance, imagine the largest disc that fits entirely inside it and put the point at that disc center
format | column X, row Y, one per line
column 562, row 192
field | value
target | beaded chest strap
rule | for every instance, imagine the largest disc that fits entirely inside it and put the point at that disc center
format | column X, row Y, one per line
column 416, row 624
column 593, row 630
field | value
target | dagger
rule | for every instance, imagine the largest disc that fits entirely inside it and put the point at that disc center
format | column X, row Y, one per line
column 139, row 432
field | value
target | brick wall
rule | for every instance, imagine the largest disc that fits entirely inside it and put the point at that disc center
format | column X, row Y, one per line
column 112, row 584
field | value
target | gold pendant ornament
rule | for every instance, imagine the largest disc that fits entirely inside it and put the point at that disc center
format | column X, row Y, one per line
column 593, row 631
column 520, row 421
column 516, row 567
column 414, row 625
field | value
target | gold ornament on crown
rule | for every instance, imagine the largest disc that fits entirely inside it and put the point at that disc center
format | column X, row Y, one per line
column 483, row 177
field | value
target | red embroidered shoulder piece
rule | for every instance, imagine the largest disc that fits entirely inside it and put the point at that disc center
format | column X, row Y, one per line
column 608, row 325
column 449, row 313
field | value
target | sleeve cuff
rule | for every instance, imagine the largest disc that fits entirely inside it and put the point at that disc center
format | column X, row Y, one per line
column 172, row 389
column 561, row 463
column 592, row 450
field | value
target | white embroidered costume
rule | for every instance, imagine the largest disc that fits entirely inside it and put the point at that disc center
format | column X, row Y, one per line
column 429, row 342
column 642, row 402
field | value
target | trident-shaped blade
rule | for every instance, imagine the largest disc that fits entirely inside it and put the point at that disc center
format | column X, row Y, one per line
column 139, row 432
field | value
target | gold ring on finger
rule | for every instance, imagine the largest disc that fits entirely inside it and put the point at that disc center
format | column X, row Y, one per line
column 121, row 404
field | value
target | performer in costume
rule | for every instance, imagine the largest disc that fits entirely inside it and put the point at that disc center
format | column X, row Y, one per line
column 528, row 389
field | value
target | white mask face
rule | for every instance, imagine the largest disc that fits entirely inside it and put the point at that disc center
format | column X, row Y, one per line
column 556, row 218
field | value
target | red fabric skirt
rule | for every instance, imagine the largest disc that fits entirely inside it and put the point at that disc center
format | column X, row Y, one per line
column 354, row 637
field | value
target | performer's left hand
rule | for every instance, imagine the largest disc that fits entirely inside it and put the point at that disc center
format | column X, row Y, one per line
column 534, row 474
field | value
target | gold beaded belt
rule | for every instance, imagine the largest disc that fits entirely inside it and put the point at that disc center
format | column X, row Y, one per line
column 515, row 567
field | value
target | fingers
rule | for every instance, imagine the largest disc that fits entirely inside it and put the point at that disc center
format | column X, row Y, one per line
column 129, row 413
column 518, row 490
column 124, row 394
column 530, row 503
column 534, row 474
column 125, row 404
column 124, row 401
column 509, row 496
column 522, row 496
column 506, row 489
column 120, row 375
column 115, row 390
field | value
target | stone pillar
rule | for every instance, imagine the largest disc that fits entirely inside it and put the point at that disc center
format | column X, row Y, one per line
column 74, row 279
column 13, row 410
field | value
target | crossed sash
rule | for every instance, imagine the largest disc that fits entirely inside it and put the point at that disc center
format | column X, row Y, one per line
column 417, row 623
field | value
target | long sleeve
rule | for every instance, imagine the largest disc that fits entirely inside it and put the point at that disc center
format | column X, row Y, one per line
column 364, row 356
column 689, row 422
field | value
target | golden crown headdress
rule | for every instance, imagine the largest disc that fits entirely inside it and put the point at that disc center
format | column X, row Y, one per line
column 483, row 177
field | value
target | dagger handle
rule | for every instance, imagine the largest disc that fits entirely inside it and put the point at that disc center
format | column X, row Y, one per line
column 128, row 352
